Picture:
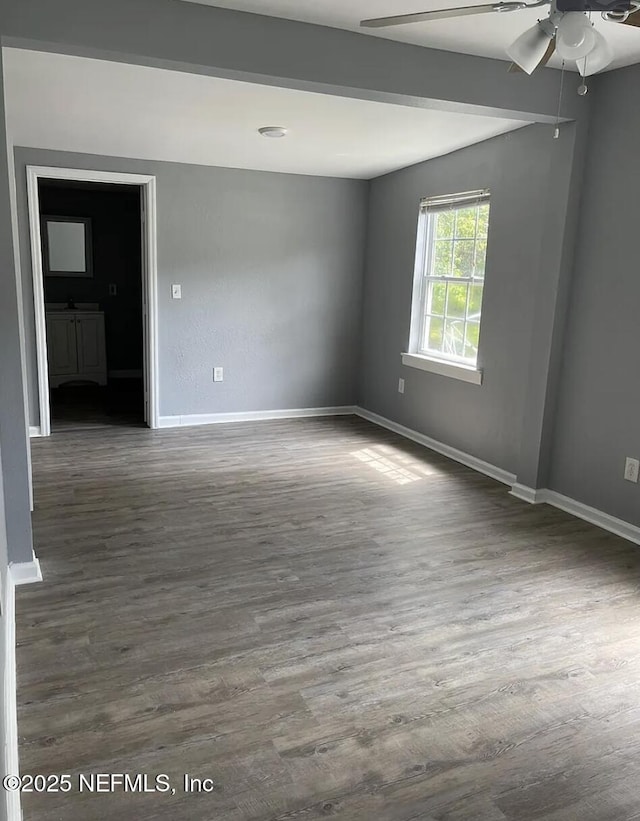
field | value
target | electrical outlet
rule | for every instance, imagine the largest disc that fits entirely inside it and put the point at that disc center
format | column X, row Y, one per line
column 400, row 385
column 218, row 374
column 113, row 289
column 631, row 470
column 176, row 292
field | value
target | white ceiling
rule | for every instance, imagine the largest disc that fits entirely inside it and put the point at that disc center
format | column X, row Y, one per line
column 486, row 35
column 93, row 106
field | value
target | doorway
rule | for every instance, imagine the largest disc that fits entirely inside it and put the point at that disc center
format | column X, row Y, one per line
column 93, row 242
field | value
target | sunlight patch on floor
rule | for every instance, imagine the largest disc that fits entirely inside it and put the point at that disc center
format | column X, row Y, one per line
column 395, row 465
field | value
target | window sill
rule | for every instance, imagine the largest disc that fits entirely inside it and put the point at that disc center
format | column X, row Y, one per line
column 455, row 370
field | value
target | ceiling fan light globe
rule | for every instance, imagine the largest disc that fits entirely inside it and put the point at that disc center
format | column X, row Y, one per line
column 576, row 37
column 598, row 59
column 529, row 48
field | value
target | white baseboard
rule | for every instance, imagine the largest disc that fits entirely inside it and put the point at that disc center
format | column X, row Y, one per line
column 189, row 420
column 494, row 472
column 10, row 758
column 591, row 514
column 134, row 373
column 34, row 430
column 25, row 572
column 527, row 494
column 17, row 573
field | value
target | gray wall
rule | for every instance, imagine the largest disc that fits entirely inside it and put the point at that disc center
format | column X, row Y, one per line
column 598, row 412
column 558, row 238
column 486, row 420
column 13, row 433
column 271, row 271
column 15, row 519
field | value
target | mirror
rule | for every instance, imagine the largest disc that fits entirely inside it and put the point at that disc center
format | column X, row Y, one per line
column 66, row 247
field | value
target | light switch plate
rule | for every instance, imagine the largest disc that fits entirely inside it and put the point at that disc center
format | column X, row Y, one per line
column 218, row 374
column 400, row 385
column 176, row 292
column 113, row 289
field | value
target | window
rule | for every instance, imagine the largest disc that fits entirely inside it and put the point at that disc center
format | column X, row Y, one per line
column 450, row 267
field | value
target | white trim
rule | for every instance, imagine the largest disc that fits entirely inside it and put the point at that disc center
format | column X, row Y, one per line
column 192, row 419
column 473, row 462
column 148, row 184
column 527, row 494
column 10, row 757
column 34, row 431
column 87, row 175
column 26, row 572
column 132, row 373
column 150, row 228
column 38, row 302
column 456, row 370
column 17, row 573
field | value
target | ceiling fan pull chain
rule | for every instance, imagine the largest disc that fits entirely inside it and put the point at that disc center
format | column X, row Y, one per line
column 556, row 133
column 583, row 88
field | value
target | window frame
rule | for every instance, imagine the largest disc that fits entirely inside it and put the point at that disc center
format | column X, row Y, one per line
column 417, row 356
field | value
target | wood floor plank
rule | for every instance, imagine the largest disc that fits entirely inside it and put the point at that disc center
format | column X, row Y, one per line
column 327, row 621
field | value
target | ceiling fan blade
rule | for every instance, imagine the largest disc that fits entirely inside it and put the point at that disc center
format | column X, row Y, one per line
column 440, row 14
column 632, row 16
column 632, row 20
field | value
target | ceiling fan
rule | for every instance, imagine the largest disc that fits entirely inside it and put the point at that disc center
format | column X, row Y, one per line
column 570, row 33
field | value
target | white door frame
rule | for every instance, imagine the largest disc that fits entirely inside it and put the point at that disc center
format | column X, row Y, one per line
column 149, row 280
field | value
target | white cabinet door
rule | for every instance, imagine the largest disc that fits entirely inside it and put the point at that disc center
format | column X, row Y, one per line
column 61, row 345
column 92, row 359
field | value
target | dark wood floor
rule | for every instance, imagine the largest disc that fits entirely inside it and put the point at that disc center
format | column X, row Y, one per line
column 83, row 405
column 327, row 621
